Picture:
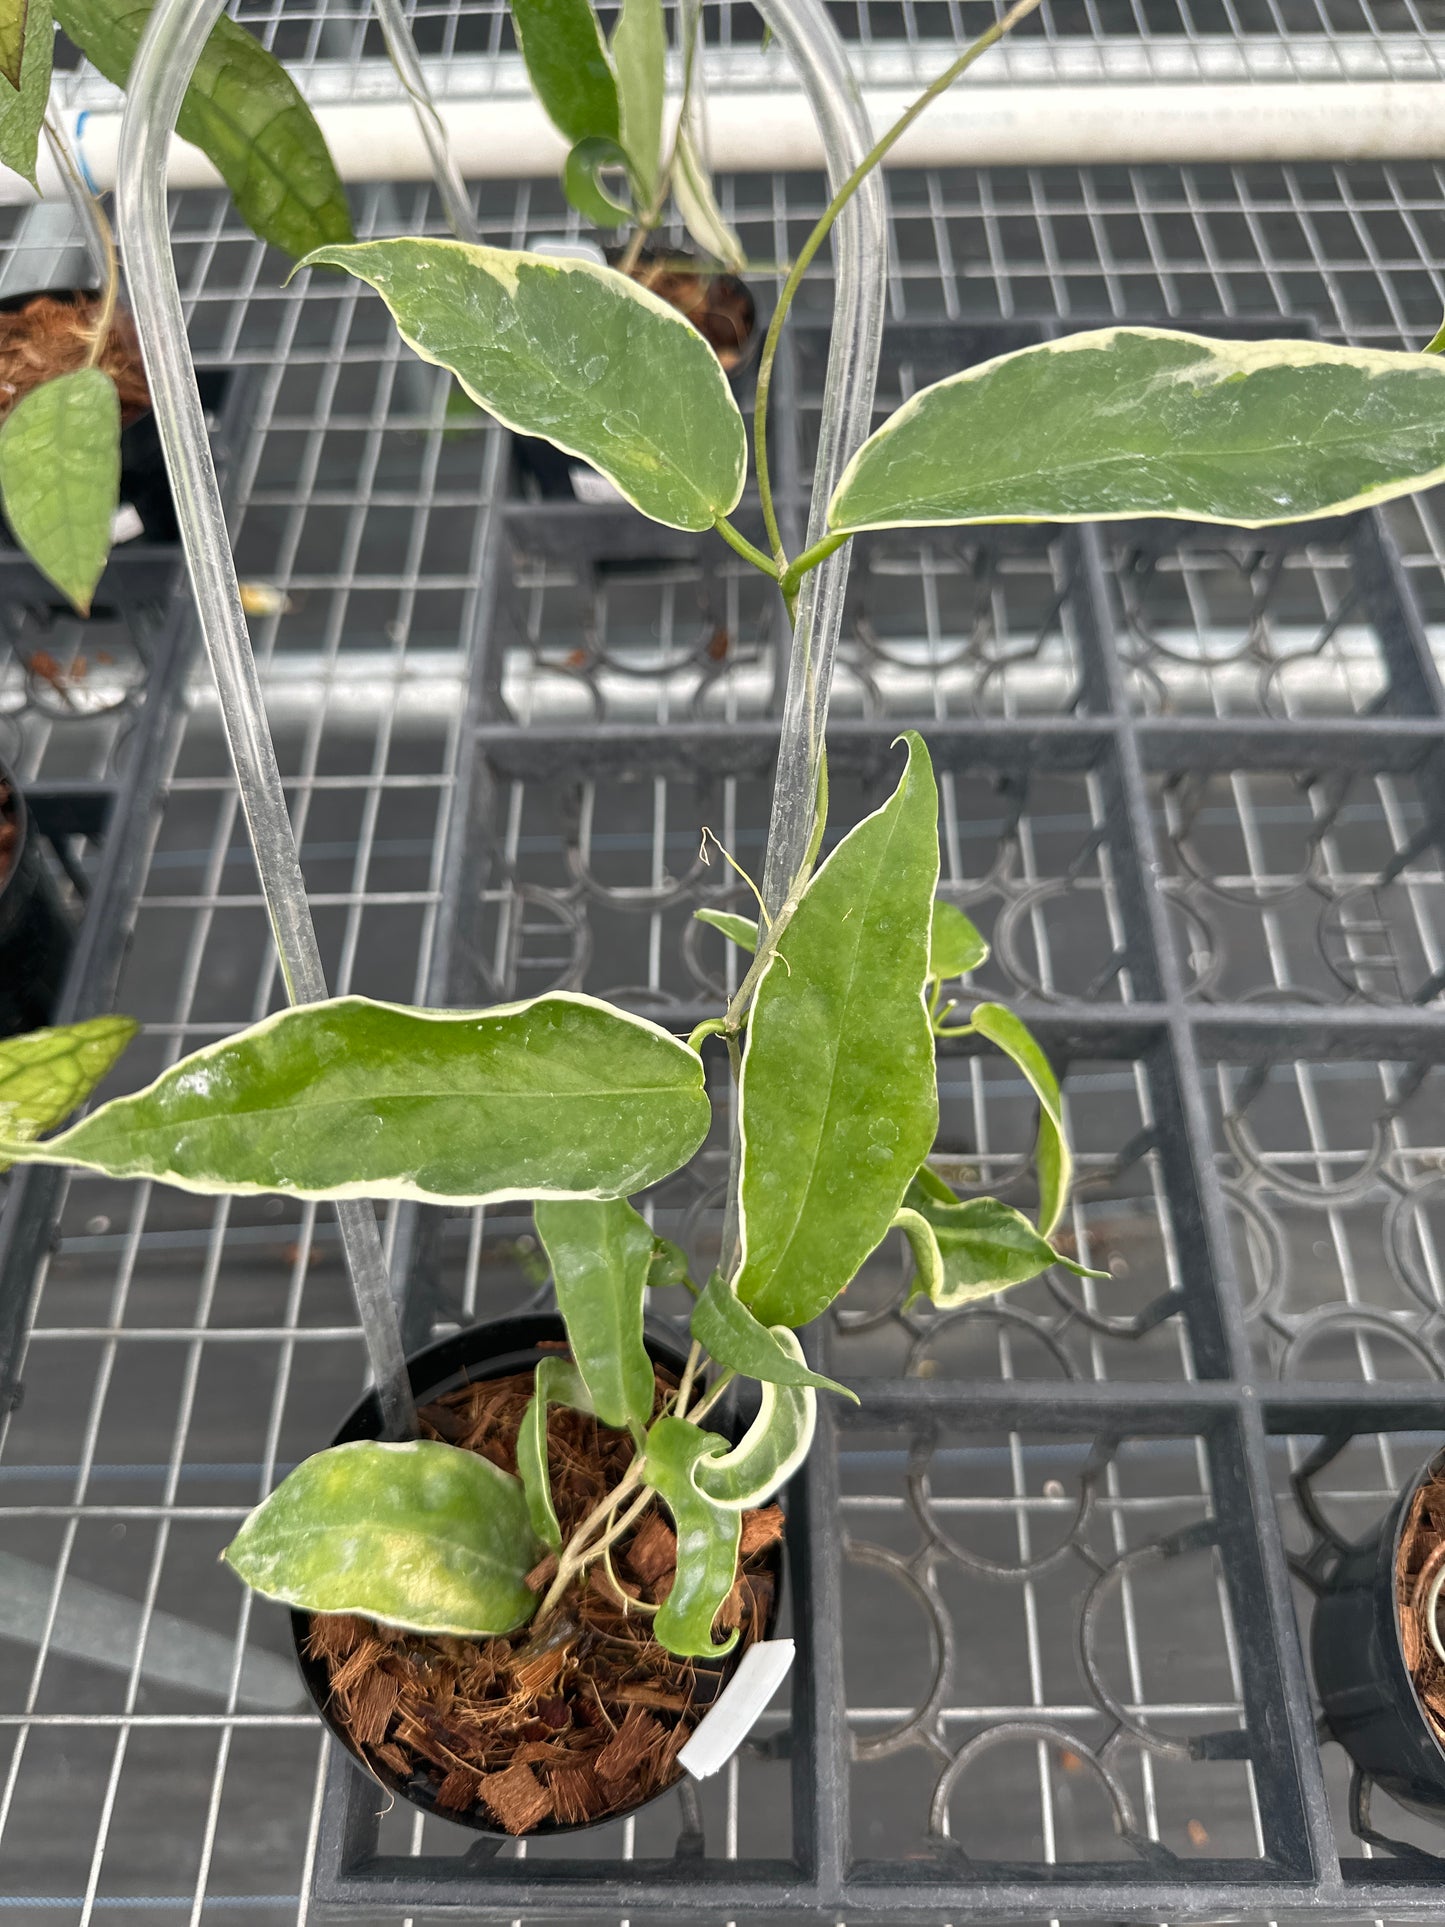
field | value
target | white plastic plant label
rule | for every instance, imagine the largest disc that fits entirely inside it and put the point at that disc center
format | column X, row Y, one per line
column 761, row 1672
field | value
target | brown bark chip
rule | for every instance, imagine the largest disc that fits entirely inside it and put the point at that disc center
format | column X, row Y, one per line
column 52, row 334
column 568, row 1724
column 517, row 1798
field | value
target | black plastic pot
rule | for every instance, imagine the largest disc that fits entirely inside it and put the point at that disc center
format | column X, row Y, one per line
column 144, row 488
column 35, row 932
column 494, row 1349
column 1369, row 1699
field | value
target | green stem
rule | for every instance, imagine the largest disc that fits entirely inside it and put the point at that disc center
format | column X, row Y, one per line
column 953, row 1030
column 809, row 559
column 820, row 233
column 735, row 539
column 709, row 1027
column 1437, row 345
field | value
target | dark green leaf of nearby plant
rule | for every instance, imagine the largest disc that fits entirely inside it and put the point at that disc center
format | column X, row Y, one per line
column 421, row 1535
column 743, row 931
column 708, row 1536
column 1053, row 1161
column 12, row 39
column 559, row 1097
column 582, row 182
column 578, row 354
column 639, row 55
column 601, row 1255
column 45, row 1074
column 567, row 65
column 22, row 111
column 772, row 1448
column 244, row 112
column 60, row 478
column 728, row 1332
column 839, row 1099
column 1125, row 422
column 955, row 947
column 557, row 1381
column 984, row 1246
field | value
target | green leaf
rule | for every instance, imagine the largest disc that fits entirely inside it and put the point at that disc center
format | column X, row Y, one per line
column 955, row 947
column 639, row 54
column 567, row 65
column 838, row 1098
column 582, row 185
column 421, row 1535
column 60, row 478
column 559, row 1097
column 728, row 1332
column 46, row 1073
column 692, row 189
column 601, row 1255
column 244, row 112
column 12, row 39
column 578, row 354
column 983, row 1246
column 743, row 931
column 669, row 1265
column 557, row 1382
column 1052, row 1158
column 1128, row 421
column 708, row 1535
column 22, row 112
column 927, row 1258
column 772, row 1448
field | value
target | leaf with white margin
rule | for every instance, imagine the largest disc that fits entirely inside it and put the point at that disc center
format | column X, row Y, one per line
column 601, row 1253
column 1053, row 1160
column 970, row 1250
column 1121, row 422
column 557, row 1381
column 422, row 1535
column 772, row 1448
column 576, row 353
column 728, row 1332
column 697, row 203
column 838, row 1099
column 560, row 1097
column 45, row 1074
column 708, row 1536
column 639, row 55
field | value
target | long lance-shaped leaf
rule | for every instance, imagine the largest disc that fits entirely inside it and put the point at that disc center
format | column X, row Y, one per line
column 12, row 39
column 708, row 1536
column 60, row 478
column 601, row 1255
column 955, row 946
column 577, row 354
column 966, row 1251
column 557, row 1381
column 568, row 67
column 1053, row 1160
column 772, row 1448
column 421, row 1535
column 244, row 112
column 728, row 1332
column 1124, row 422
column 23, row 111
column 47, row 1073
column 639, row 53
column 697, row 203
column 839, row 1099
column 560, row 1097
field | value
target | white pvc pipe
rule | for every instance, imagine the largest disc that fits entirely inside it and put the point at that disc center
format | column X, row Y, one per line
column 978, row 125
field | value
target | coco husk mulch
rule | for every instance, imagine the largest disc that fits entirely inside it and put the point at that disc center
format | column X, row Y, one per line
column 52, row 334
column 1421, row 1555
column 560, row 1727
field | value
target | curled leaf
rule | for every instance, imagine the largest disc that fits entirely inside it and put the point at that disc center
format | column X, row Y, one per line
column 772, row 1448
column 557, row 1381
column 582, row 181
column 728, row 1332
column 1053, row 1161
column 708, row 1535
column 601, row 1254
column 978, row 1247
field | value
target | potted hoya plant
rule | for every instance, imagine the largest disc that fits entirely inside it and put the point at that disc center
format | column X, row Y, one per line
column 516, row 1614
column 80, row 462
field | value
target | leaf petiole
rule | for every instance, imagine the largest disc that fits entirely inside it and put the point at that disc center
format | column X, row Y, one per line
column 736, row 540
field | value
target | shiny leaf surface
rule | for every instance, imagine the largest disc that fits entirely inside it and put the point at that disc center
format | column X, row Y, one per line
column 559, row 1097
column 60, row 478
column 1124, row 422
column 639, row 55
column 575, row 353
column 983, row 1247
column 728, row 1332
column 568, row 67
column 955, row 947
column 708, row 1535
column 1053, row 1161
column 838, row 1097
column 45, row 1074
column 601, row 1254
column 772, row 1448
column 421, row 1535
column 558, row 1382
column 245, row 113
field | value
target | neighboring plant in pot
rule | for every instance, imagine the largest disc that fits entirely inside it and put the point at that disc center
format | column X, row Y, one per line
column 70, row 370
